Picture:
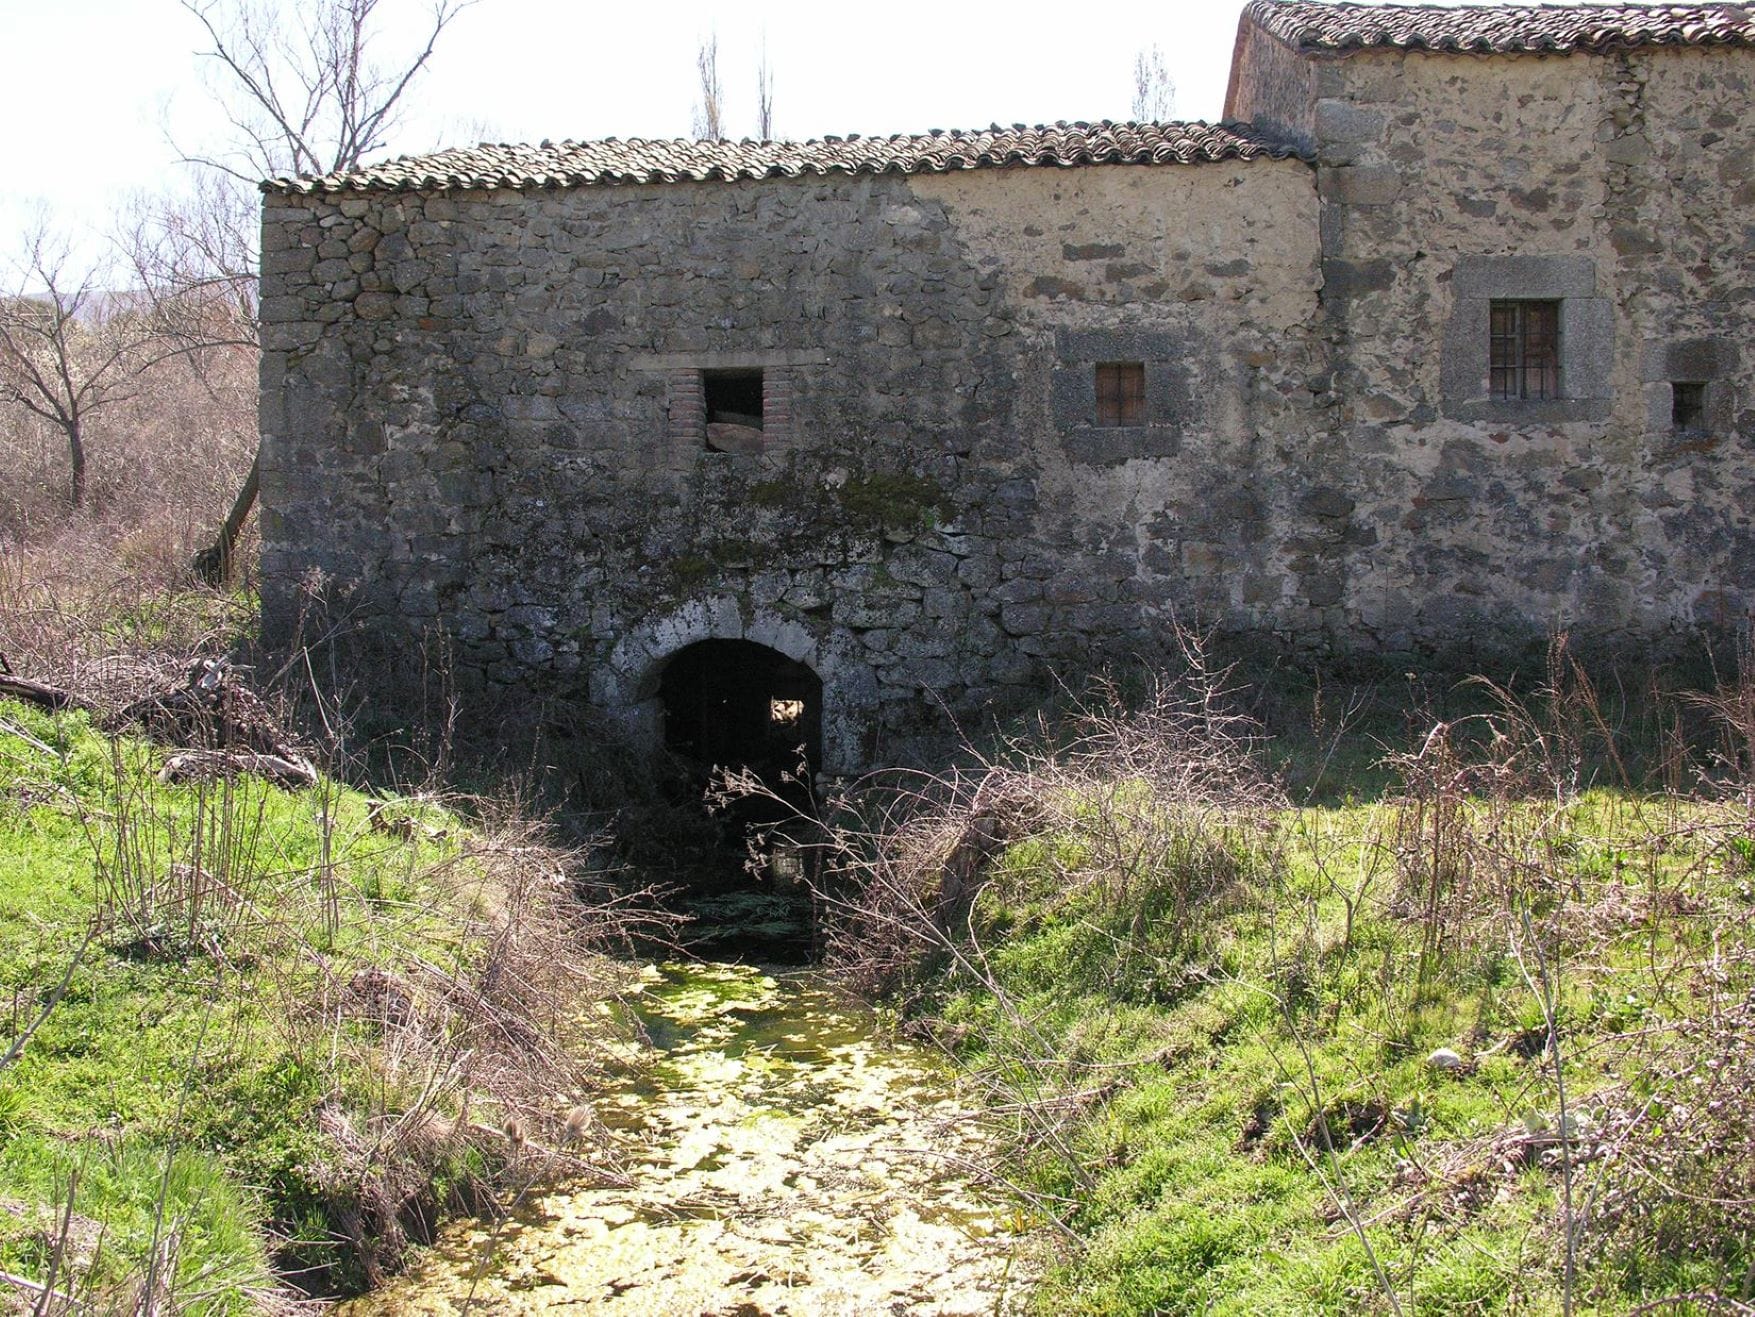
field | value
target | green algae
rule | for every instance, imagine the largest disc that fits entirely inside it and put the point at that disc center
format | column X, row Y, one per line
column 771, row 1154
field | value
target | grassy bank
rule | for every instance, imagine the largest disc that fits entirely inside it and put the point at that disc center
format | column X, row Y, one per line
column 1476, row 1038
column 261, row 1036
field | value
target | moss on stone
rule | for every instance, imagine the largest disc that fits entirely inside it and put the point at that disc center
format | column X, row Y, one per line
column 775, row 494
column 690, row 570
column 893, row 499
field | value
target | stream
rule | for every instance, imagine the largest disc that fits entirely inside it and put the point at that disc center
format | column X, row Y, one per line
column 779, row 1157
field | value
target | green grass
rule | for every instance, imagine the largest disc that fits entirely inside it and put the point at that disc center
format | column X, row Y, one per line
column 1213, row 1068
column 186, row 1088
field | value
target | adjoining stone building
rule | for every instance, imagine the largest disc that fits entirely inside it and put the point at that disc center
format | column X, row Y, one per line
column 1443, row 336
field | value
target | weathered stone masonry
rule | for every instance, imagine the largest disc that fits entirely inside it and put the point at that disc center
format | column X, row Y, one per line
column 486, row 406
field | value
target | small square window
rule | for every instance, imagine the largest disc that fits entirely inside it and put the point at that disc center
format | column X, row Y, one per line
column 1523, row 351
column 1121, row 393
column 1688, row 406
column 733, row 403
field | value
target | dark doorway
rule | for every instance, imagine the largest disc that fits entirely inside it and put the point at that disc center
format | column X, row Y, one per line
column 733, row 704
column 737, row 704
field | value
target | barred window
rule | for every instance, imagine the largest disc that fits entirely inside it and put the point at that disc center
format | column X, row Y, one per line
column 1121, row 393
column 1523, row 358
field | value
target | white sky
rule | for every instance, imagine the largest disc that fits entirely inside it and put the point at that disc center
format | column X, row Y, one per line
column 90, row 88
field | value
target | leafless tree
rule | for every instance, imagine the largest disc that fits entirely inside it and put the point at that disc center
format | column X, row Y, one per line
column 301, row 85
column 196, row 256
column 764, row 95
column 1154, row 94
column 305, row 89
column 70, row 345
column 709, row 125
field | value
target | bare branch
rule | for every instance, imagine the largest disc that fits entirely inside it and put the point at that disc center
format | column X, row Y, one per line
column 1154, row 94
column 196, row 259
column 709, row 125
column 304, row 93
column 313, row 99
column 764, row 95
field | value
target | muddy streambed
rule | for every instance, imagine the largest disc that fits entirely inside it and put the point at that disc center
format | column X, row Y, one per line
column 776, row 1157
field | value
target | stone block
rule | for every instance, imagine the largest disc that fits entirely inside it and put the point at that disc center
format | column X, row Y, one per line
column 374, row 306
column 1359, row 185
column 1347, row 279
column 1023, row 619
column 859, row 612
column 1343, row 121
column 1326, row 502
column 1532, row 276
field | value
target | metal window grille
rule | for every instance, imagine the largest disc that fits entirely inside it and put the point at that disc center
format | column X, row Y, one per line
column 1524, row 351
column 1121, row 393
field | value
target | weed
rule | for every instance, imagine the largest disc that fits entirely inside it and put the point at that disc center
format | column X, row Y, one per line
column 312, row 993
column 1478, row 1043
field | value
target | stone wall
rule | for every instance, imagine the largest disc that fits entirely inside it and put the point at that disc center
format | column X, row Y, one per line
column 1618, row 186
column 1272, row 85
column 485, row 410
column 490, row 411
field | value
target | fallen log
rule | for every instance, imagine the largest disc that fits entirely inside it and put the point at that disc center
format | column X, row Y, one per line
column 294, row 772
column 44, row 697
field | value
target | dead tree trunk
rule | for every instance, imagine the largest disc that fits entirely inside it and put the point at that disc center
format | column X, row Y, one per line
column 214, row 563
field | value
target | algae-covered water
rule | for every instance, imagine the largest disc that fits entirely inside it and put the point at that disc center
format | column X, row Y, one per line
column 777, row 1156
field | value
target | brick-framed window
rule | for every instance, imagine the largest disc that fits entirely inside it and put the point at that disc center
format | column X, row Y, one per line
column 740, row 409
column 1121, row 393
column 1523, row 350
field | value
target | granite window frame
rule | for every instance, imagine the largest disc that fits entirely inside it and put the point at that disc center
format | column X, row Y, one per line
column 1167, row 406
column 1700, row 368
column 1586, row 354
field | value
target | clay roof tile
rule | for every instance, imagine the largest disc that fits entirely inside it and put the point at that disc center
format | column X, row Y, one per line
column 637, row 160
column 1316, row 27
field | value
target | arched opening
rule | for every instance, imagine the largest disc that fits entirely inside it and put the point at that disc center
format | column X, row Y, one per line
column 736, row 704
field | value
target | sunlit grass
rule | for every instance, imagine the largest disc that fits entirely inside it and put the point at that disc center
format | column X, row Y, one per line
column 1251, row 1056
column 210, row 1071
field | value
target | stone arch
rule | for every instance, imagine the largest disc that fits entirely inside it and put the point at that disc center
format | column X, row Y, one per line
column 626, row 686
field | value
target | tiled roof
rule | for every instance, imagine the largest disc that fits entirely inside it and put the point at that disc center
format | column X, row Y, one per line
column 1310, row 26
column 572, row 164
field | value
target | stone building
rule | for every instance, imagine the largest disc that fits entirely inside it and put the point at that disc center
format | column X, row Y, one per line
column 1443, row 336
